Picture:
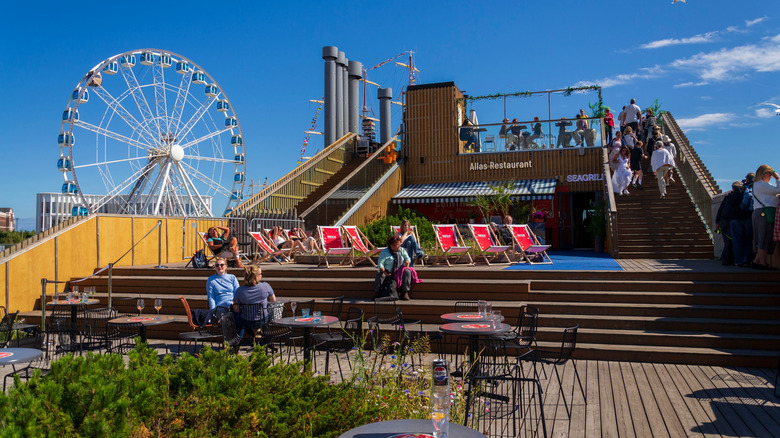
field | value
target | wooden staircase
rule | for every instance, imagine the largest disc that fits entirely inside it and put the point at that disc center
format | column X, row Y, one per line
column 653, row 228
column 329, row 184
column 724, row 316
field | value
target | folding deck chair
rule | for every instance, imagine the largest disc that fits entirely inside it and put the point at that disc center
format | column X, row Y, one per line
column 451, row 244
column 205, row 238
column 395, row 229
column 332, row 243
column 280, row 255
column 485, row 239
column 361, row 244
column 527, row 245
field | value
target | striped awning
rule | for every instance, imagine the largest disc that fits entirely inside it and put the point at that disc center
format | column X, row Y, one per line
column 467, row 191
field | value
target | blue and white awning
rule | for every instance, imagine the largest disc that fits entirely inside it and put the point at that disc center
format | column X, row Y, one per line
column 467, row 191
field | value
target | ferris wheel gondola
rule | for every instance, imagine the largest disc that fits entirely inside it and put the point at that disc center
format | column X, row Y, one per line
column 160, row 143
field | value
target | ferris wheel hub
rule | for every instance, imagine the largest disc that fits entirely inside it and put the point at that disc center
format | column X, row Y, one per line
column 176, row 152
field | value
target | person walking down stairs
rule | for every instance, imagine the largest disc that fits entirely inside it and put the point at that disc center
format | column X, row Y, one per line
column 661, row 163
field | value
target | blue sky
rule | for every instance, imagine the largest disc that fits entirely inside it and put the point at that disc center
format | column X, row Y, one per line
column 709, row 62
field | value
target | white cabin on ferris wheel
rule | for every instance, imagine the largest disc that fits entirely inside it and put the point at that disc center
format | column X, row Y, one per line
column 111, row 68
column 198, row 78
column 70, row 115
column 223, row 106
column 128, row 61
column 66, row 139
column 212, row 90
column 165, row 60
column 183, row 67
column 64, row 164
column 236, row 140
column 80, row 95
column 231, row 121
column 147, row 58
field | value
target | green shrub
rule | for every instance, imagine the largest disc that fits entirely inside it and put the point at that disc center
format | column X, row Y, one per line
column 378, row 231
column 215, row 394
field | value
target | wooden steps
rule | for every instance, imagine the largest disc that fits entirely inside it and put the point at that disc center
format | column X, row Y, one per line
column 722, row 316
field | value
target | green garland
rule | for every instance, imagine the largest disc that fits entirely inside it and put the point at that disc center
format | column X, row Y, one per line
column 567, row 92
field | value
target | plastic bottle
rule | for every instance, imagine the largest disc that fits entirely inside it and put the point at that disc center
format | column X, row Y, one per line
column 440, row 399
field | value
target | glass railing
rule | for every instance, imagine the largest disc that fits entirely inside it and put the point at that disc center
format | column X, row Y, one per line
column 347, row 193
column 530, row 135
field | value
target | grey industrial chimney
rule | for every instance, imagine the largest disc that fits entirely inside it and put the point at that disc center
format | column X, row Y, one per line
column 340, row 63
column 384, row 95
column 345, row 97
column 355, row 74
column 330, row 54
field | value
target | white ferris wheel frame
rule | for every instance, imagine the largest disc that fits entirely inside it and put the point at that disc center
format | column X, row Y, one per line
column 161, row 138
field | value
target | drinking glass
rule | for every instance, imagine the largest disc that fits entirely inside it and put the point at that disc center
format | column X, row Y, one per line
column 293, row 305
column 140, row 306
column 488, row 309
column 481, row 306
column 305, row 312
column 440, row 416
column 496, row 319
column 317, row 315
column 158, row 305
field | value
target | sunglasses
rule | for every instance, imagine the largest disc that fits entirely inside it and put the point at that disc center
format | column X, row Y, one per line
column 221, row 264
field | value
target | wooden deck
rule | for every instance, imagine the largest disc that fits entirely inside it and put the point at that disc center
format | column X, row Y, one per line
column 629, row 399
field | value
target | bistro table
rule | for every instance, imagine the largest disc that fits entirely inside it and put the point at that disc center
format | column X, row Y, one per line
column 307, row 324
column 13, row 356
column 145, row 321
column 407, row 429
column 467, row 317
column 74, row 311
column 473, row 330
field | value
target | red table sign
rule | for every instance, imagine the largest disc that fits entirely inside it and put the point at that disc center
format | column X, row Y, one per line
column 309, row 319
column 5, row 354
column 476, row 326
column 141, row 319
column 471, row 316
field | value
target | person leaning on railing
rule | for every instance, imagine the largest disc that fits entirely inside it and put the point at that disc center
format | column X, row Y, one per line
column 764, row 208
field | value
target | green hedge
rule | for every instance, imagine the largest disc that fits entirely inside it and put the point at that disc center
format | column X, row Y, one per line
column 215, row 394
column 379, row 231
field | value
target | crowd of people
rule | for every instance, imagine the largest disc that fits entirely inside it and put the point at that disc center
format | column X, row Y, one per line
column 746, row 220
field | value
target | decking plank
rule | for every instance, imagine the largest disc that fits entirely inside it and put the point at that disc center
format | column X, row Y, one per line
column 701, row 410
column 635, row 406
column 672, row 406
column 622, row 411
column 592, row 418
column 745, row 380
column 647, row 395
column 725, row 412
column 609, row 427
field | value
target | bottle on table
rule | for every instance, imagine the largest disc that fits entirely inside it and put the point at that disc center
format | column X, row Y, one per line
column 440, row 399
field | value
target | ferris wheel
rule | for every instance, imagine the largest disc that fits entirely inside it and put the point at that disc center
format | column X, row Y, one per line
column 156, row 135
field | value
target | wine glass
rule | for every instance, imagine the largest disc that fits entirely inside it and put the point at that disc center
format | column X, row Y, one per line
column 158, row 305
column 140, row 306
column 293, row 306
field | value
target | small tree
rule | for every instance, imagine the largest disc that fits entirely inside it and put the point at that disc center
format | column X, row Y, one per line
column 656, row 107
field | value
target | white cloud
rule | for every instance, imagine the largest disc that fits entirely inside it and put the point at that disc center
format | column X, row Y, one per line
column 749, row 23
column 642, row 73
column 691, row 84
column 706, row 98
column 733, row 63
column 765, row 113
column 696, row 39
column 705, row 121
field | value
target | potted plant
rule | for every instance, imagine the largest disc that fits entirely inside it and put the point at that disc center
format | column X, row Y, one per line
column 597, row 225
column 538, row 216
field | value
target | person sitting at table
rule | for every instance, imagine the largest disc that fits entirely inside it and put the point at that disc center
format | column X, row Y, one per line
column 394, row 271
column 253, row 291
column 537, row 133
column 221, row 286
column 564, row 137
column 222, row 245
column 517, row 133
column 506, row 134
column 469, row 135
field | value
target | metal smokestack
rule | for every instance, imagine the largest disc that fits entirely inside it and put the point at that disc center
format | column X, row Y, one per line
column 384, row 95
column 340, row 94
column 345, row 97
column 355, row 74
column 330, row 54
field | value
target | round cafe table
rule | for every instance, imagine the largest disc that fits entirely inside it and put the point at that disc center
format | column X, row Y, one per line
column 144, row 320
column 407, row 429
column 74, row 310
column 474, row 330
column 467, row 317
column 306, row 324
column 13, row 356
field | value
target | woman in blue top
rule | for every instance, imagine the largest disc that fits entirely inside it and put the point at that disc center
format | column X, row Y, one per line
column 391, row 259
column 221, row 286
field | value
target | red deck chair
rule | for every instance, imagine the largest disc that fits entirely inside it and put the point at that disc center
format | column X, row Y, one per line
column 280, row 255
column 361, row 244
column 485, row 239
column 527, row 245
column 332, row 243
column 205, row 237
column 395, row 229
column 451, row 244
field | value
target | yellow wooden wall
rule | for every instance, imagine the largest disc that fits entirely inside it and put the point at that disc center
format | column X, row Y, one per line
column 78, row 250
column 432, row 135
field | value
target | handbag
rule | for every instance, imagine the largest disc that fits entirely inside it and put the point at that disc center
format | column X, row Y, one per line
column 767, row 212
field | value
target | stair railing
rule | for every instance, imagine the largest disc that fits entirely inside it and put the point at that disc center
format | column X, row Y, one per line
column 612, row 219
column 694, row 176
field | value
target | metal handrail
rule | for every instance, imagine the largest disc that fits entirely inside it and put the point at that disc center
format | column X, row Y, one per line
column 611, row 205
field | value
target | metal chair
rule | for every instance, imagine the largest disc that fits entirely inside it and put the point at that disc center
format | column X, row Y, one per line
column 121, row 337
column 230, row 331
column 198, row 335
column 96, row 327
column 555, row 358
column 522, row 336
column 505, row 405
column 7, row 328
column 466, row 306
column 341, row 342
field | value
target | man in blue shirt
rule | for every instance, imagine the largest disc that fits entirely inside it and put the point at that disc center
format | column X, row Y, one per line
column 221, row 286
